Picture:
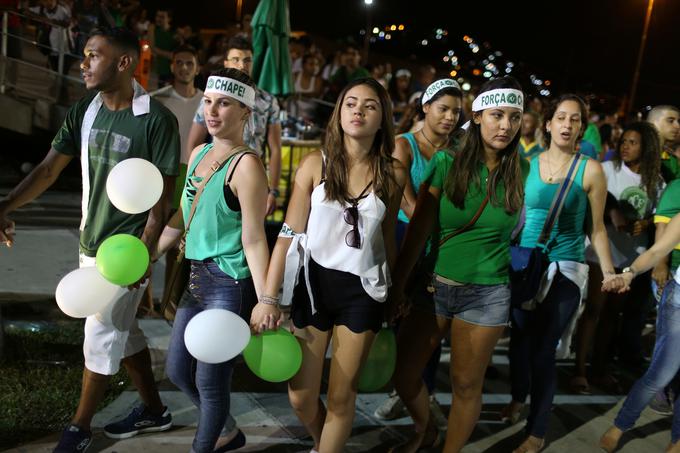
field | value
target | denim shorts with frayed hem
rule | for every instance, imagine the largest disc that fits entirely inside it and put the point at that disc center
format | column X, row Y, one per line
column 484, row 305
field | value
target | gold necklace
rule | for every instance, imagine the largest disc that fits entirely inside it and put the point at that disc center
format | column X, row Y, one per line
column 435, row 147
column 553, row 173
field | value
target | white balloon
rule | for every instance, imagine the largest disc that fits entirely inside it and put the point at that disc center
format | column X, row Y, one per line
column 84, row 292
column 134, row 185
column 216, row 335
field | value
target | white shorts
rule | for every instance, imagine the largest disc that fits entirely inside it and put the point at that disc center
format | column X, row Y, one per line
column 112, row 334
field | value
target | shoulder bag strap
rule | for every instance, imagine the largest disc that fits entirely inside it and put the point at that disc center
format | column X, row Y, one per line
column 558, row 202
column 469, row 224
column 214, row 168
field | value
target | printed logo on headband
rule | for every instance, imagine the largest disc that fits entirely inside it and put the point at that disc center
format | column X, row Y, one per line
column 502, row 97
column 436, row 86
column 232, row 88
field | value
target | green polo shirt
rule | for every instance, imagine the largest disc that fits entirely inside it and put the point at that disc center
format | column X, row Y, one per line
column 480, row 255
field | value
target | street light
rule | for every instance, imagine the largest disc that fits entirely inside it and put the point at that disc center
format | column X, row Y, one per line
column 643, row 42
column 367, row 37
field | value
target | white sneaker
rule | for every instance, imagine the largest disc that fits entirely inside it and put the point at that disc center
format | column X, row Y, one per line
column 392, row 408
column 437, row 415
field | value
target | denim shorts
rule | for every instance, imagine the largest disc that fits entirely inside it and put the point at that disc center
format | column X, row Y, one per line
column 484, row 305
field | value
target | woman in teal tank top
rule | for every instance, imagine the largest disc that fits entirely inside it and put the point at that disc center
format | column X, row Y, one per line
column 537, row 330
column 415, row 149
column 227, row 247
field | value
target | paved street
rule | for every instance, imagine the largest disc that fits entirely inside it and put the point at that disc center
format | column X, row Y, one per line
column 45, row 250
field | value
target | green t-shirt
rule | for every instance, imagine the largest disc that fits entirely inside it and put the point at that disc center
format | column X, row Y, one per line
column 592, row 135
column 670, row 170
column 669, row 206
column 480, row 255
column 116, row 136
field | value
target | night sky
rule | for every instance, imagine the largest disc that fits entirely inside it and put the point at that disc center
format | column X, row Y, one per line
column 585, row 46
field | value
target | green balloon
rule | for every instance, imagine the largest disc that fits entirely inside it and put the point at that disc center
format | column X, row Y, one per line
column 273, row 355
column 122, row 259
column 379, row 366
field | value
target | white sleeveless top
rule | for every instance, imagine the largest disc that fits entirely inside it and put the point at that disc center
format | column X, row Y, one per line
column 324, row 242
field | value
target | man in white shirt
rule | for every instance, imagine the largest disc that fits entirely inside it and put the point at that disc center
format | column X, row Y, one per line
column 182, row 98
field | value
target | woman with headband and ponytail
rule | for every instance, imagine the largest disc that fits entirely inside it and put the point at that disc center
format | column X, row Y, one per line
column 226, row 243
column 469, row 202
column 334, row 255
column 538, row 324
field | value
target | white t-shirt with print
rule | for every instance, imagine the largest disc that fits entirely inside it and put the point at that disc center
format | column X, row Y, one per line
column 626, row 186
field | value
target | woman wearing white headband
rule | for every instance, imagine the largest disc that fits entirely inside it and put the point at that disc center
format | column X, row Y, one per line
column 227, row 246
column 441, row 105
column 470, row 198
column 538, row 327
column 336, row 248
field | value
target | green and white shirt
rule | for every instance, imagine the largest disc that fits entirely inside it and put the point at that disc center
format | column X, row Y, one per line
column 116, row 136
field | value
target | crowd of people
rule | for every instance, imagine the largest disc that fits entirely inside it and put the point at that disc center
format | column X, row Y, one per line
column 407, row 215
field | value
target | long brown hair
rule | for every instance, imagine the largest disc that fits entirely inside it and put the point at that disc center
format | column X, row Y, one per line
column 464, row 173
column 650, row 157
column 381, row 161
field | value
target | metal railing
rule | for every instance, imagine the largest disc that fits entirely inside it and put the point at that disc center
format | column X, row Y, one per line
column 34, row 62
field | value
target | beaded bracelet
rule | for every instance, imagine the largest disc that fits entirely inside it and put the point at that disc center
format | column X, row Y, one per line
column 269, row 300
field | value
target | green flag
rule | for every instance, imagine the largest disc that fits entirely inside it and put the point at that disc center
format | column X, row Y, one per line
column 271, row 58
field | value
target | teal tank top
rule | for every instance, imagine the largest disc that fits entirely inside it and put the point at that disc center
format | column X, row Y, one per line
column 567, row 238
column 417, row 170
column 215, row 230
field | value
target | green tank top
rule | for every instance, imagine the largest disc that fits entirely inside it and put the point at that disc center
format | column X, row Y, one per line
column 215, row 230
column 567, row 238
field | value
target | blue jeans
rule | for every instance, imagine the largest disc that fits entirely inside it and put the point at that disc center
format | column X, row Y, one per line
column 207, row 385
column 533, row 338
column 664, row 366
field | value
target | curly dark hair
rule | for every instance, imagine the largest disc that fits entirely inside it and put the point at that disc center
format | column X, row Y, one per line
column 650, row 156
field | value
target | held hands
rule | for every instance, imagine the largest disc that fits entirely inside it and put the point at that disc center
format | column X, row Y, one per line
column 617, row 283
column 266, row 315
column 397, row 306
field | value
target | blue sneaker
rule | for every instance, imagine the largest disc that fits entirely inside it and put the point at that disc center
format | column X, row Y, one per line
column 73, row 440
column 139, row 421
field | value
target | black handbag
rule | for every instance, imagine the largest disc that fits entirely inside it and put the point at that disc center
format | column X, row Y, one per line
column 528, row 264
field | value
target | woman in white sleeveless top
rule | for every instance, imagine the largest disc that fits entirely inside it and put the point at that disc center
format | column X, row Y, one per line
column 337, row 244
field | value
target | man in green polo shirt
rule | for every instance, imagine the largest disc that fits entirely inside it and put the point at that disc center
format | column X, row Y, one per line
column 116, row 122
